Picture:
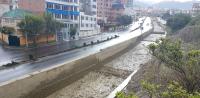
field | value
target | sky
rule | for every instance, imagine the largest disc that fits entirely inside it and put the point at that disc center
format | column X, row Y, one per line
column 156, row 1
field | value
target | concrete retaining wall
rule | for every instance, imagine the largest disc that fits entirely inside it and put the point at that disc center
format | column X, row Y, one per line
column 39, row 80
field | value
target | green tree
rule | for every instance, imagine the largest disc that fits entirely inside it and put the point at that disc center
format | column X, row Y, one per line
column 195, row 21
column 51, row 25
column 6, row 30
column 32, row 26
column 171, row 90
column 186, row 65
column 151, row 89
column 178, row 21
column 73, row 31
column 166, row 16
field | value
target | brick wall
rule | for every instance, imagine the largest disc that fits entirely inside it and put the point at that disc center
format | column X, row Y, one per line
column 35, row 6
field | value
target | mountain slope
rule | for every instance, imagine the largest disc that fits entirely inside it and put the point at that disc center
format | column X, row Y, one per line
column 175, row 5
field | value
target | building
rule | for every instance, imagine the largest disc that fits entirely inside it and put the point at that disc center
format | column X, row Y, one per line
column 7, row 5
column 108, row 10
column 104, row 10
column 196, row 8
column 4, row 6
column 16, row 38
column 129, row 3
column 88, row 18
column 32, row 6
column 117, row 9
column 65, row 11
column 88, row 25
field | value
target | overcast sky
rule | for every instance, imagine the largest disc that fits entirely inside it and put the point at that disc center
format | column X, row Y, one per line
column 156, row 1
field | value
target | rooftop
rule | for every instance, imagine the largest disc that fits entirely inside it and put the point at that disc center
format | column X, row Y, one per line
column 16, row 14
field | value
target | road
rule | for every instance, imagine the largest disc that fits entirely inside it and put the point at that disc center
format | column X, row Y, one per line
column 112, row 76
column 7, row 54
column 46, row 62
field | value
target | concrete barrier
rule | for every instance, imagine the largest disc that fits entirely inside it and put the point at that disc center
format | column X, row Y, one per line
column 25, row 85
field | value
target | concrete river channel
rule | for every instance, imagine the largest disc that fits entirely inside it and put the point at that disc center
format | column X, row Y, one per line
column 99, row 74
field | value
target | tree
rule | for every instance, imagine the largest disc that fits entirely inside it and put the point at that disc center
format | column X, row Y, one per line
column 186, row 65
column 32, row 26
column 178, row 21
column 51, row 25
column 171, row 90
column 195, row 21
column 73, row 32
column 6, row 30
column 124, row 20
column 166, row 16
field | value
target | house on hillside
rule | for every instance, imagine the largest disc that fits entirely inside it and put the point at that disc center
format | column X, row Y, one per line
column 16, row 37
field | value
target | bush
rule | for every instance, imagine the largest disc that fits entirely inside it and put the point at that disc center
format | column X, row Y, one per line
column 178, row 21
column 84, row 44
column 186, row 65
column 123, row 95
column 92, row 42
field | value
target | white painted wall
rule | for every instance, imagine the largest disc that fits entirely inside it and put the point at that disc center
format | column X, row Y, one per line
column 88, row 25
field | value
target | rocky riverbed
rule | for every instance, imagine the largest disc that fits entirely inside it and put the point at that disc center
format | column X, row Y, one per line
column 101, row 82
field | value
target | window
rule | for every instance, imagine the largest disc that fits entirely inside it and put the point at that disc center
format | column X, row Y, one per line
column 72, row 17
column 82, row 17
column 66, row 8
column 49, row 6
column 94, row 6
column 57, row 15
column 75, row 17
column 65, row 16
column 57, row 6
column 75, row 8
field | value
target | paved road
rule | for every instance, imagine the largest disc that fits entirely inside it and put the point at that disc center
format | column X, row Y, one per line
column 14, row 73
column 8, row 55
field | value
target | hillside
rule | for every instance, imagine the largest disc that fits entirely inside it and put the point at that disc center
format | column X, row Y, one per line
column 174, row 5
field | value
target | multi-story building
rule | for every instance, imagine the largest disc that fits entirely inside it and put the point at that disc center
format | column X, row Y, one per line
column 196, row 8
column 108, row 10
column 118, row 9
column 88, row 18
column 104, row 10
column 129, row 3
column 65, row 11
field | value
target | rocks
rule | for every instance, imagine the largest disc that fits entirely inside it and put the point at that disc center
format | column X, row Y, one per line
column 101, row 82
column 96, row 85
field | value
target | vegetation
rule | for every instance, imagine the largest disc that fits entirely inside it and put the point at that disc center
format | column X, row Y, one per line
column 186, row 65
column 32, row 26
column 6, row 30
column 178, row 21
column 51, row 25
column 124, row 20
column 195, row 21
column 123, row 95
column 166, row 16
column 73, row 32
column 181, row 78
column 172, row 90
